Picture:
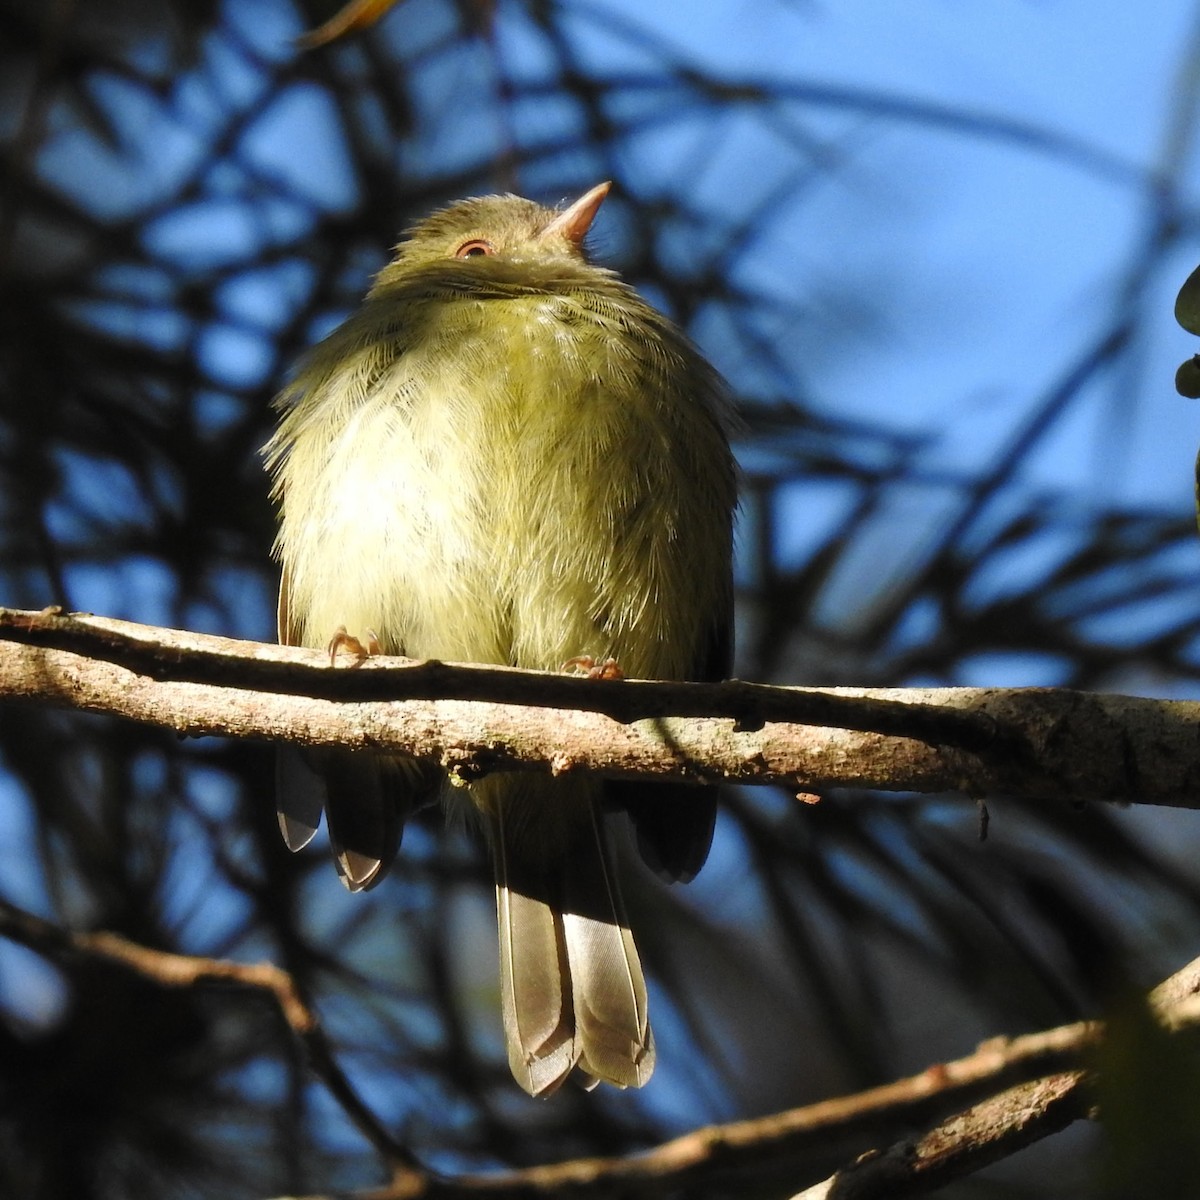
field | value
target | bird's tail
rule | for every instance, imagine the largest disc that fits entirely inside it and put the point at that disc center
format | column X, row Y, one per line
column 571, row 982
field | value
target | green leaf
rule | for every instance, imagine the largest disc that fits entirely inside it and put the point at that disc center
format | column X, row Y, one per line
column 1187, row 378
column 1187, row 303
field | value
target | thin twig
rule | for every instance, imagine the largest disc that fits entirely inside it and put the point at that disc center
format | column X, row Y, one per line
column 1018, row 1091
column 1041, row 1077
column 185, row 970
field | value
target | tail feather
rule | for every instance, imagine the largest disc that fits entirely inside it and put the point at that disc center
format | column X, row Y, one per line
column 607, row 984
column 538, row 1022
column 572, row 987
column 609, row 994
column 534, row 983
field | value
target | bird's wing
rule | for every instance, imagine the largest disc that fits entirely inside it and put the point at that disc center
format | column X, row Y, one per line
column 299, row 793
column 675, row 821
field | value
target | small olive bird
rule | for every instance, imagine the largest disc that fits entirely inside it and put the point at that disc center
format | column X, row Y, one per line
column 506, row 456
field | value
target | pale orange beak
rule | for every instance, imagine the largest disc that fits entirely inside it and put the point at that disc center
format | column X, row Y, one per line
column 574, row 221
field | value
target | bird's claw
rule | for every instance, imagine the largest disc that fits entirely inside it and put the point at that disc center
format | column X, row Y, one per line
column 342, row 640
column 593, row 669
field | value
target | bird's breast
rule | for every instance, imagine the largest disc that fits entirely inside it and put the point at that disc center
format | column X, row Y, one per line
column 515, row 487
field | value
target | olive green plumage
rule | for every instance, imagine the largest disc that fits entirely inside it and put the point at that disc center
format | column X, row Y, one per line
column 506, row 456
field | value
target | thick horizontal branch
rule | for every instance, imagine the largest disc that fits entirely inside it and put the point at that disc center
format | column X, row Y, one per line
column 173, row 655
column 982, row 741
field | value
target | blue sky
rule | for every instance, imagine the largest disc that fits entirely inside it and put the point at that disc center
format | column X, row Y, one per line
column 993, row 257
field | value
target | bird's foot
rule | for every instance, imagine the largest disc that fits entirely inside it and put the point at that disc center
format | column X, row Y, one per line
column 342, row 640
column 593, row 669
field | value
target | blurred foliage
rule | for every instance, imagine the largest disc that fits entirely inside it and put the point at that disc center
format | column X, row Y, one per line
column 1149, row 1100
column 187, row 202
column 1187, row 313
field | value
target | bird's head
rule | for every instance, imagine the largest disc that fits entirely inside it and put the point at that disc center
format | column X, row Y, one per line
column 496, row 230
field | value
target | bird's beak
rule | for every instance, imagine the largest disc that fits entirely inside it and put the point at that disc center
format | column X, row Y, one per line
column 574, row 222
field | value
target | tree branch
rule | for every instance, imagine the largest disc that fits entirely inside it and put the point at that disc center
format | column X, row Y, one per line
column 183, row 971
column 967, row 1142
column 1031, row 742
column 992, row 1128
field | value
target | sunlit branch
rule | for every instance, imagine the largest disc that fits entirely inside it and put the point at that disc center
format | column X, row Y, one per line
column 1035, row 743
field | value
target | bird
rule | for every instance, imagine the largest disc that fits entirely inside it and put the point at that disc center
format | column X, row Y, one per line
column 506, row 456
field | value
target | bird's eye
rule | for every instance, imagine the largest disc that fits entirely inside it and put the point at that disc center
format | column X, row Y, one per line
column 475, row 248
